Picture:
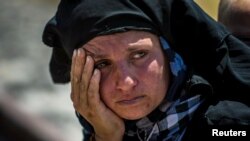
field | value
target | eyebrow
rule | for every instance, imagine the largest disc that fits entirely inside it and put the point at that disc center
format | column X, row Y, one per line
column 96, row 56
column 100, row 56
column 131, row 49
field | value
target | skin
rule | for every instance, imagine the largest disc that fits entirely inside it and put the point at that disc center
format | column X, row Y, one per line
column 235, row 15
column 116, row 77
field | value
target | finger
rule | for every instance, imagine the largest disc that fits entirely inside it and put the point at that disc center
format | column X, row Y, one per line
column 71, row 73
column 72, row 63
column 93, row 91
column 79, row 61
column 86, row 76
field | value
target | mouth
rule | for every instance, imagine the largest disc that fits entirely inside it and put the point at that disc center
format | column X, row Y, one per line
column 131, row 101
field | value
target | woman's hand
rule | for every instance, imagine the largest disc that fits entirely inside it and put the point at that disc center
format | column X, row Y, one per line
column 86, row 98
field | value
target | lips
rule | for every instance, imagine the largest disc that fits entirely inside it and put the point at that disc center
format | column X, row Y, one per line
column 130, row 101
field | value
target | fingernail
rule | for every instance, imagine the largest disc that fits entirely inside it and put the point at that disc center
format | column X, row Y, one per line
column 78, row 52
column 96, row 71
column 74, row 53
column 87, row 59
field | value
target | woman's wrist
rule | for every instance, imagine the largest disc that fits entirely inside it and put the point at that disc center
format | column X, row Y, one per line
column 106, row 138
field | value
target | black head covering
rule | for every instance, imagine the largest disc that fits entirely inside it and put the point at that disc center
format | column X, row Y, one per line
column 187, row 28
column 206, row 47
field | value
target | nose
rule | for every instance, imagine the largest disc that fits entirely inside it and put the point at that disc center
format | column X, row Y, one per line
column 125, row 78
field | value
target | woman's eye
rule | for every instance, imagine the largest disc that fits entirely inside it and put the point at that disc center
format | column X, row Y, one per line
column 101, row 64
column 139, row 55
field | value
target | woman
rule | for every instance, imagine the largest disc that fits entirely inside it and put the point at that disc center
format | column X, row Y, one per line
column 234, row 14
column 148, row 70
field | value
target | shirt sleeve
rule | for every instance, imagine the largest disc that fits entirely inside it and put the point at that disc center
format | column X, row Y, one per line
column 87, row 130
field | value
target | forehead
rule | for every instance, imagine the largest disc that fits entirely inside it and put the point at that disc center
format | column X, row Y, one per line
column 124, row 40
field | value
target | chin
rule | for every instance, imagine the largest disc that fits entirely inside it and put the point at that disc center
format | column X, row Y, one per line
column 133, row 116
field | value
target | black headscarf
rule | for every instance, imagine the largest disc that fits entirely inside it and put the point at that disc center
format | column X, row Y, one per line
column 181, row 22
column 206, row 47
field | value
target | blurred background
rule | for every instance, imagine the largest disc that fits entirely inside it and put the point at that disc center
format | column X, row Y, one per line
column 32, row 108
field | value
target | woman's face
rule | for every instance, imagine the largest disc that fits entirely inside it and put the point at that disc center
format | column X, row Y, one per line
column 134, row 74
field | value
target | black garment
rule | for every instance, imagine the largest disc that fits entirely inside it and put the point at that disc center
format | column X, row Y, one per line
column 217, row 114
column 228, row 107
column 223, row 116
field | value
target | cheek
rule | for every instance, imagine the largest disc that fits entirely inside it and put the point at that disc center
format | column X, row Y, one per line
column 157, row 77
column 156, row 69
column 106, row 88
